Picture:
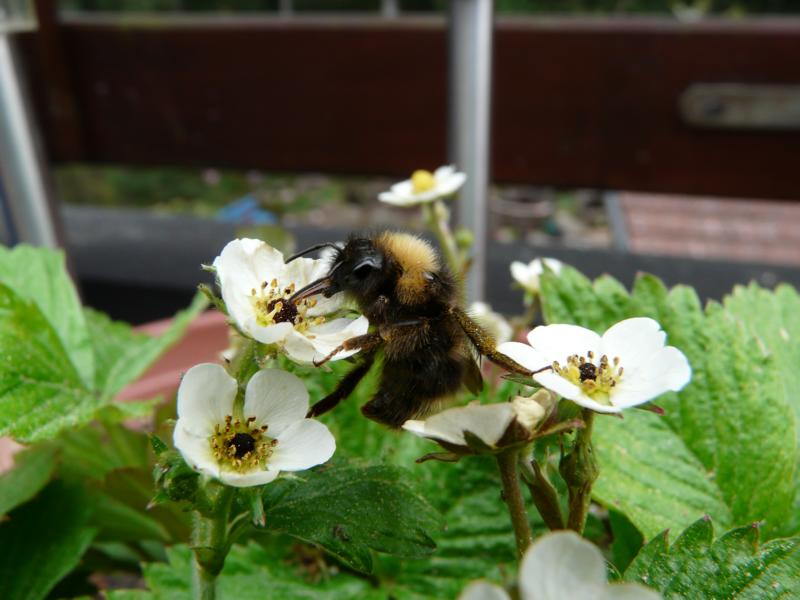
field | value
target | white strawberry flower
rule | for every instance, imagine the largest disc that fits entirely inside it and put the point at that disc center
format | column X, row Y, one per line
column 256, row 285
column 527, row 275
column 626, row 366
column 424, row 187
column 499, row 328
column 269, row 436
column 558, row 566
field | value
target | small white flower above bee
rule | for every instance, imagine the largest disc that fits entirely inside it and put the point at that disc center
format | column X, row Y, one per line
column 628, row 365
column 493, row 322
column 256, row 286
column 527, row 274
column 559, row 566
column 269, row 436
column 424, row 187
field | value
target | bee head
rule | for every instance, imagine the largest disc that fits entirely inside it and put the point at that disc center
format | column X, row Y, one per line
column 357, row 269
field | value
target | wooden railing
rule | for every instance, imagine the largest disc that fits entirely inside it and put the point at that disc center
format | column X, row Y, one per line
column 576, row 102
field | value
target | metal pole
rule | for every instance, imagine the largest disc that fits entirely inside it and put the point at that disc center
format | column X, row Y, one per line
column 21, row 165
column 390, row 8
column 471, row 24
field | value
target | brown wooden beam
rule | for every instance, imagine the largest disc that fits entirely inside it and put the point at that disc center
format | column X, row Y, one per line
column 576, row 102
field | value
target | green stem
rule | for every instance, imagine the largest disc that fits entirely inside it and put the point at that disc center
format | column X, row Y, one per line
column 509, row 474
column 441, row 229
column 210, row 545
column 579, row 470
column 544, row 495
column 204, row 584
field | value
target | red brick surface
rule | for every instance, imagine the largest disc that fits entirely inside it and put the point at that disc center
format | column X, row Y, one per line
column 719, row 228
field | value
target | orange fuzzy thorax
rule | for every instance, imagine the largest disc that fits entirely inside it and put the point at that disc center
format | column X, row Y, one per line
column 417, row 261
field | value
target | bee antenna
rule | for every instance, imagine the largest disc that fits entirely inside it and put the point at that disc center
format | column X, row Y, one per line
column 311, row 249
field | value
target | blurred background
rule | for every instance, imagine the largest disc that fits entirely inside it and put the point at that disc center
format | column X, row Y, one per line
column 615, row 135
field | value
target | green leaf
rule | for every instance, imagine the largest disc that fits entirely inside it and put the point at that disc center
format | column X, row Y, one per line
column 350, row 510
column 727, row 445
column 123, row 355
column 252, row 572
column 31, row 472
column 734, row 567
column 773, row 319
column 627, row 540
column 43, row 541
column 41, row 393
column 39, row 275
column 477, row 539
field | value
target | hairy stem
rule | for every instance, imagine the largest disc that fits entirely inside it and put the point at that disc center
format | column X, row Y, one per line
column 507, row 463
column 579, row 470
column 210, row 545
column 543, row 493
column 434, row 215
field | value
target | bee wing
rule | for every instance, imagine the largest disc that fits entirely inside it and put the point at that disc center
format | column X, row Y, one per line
column 473, row 380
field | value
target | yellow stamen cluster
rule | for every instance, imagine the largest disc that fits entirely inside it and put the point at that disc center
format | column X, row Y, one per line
column 595, row 379
column 241, row 446
column 271, row 303
column 422, row 181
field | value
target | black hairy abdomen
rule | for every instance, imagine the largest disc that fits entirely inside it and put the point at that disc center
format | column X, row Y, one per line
column 415, row 378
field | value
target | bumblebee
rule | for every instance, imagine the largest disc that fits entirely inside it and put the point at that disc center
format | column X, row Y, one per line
column 412, row 302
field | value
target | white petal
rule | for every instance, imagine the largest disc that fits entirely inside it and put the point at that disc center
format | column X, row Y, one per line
column 271, row 334
column 300, row 349
column 303, row 445
column 553, row 264
column 557, row 342
column 483, row 590
column 628, row 591
column 205, row 396
column 404, row 189
column 561, row 386
column 633, row 341
column 529, row 412
column 394, row 199
column 252, row 478
column 444, row 172
column 525, row 355
column 451, row 185
column 302, row 271
column 487, row 421
column 522, row 274
column 562, row 565
column 668, row 370
column 304, row 348
column 196, row 451
column 241, row 267
column 277, row 399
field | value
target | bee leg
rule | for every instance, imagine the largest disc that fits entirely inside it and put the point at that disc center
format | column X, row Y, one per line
column 487, row 346
column 359, row 342
column 345, row 387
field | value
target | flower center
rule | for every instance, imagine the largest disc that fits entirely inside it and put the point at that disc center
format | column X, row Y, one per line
column 272, row 306
column 422, row 181
column 596, row 379
column 241, row 446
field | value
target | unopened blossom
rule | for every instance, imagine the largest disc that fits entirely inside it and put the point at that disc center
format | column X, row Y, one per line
column 562, row 566
column 494, row 323
column 527, row 274
column 269, row 436
column 256, row 286
column 626, row 366
column 424, row 187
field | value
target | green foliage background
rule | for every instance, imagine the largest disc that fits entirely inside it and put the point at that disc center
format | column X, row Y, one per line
column 372, row 523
